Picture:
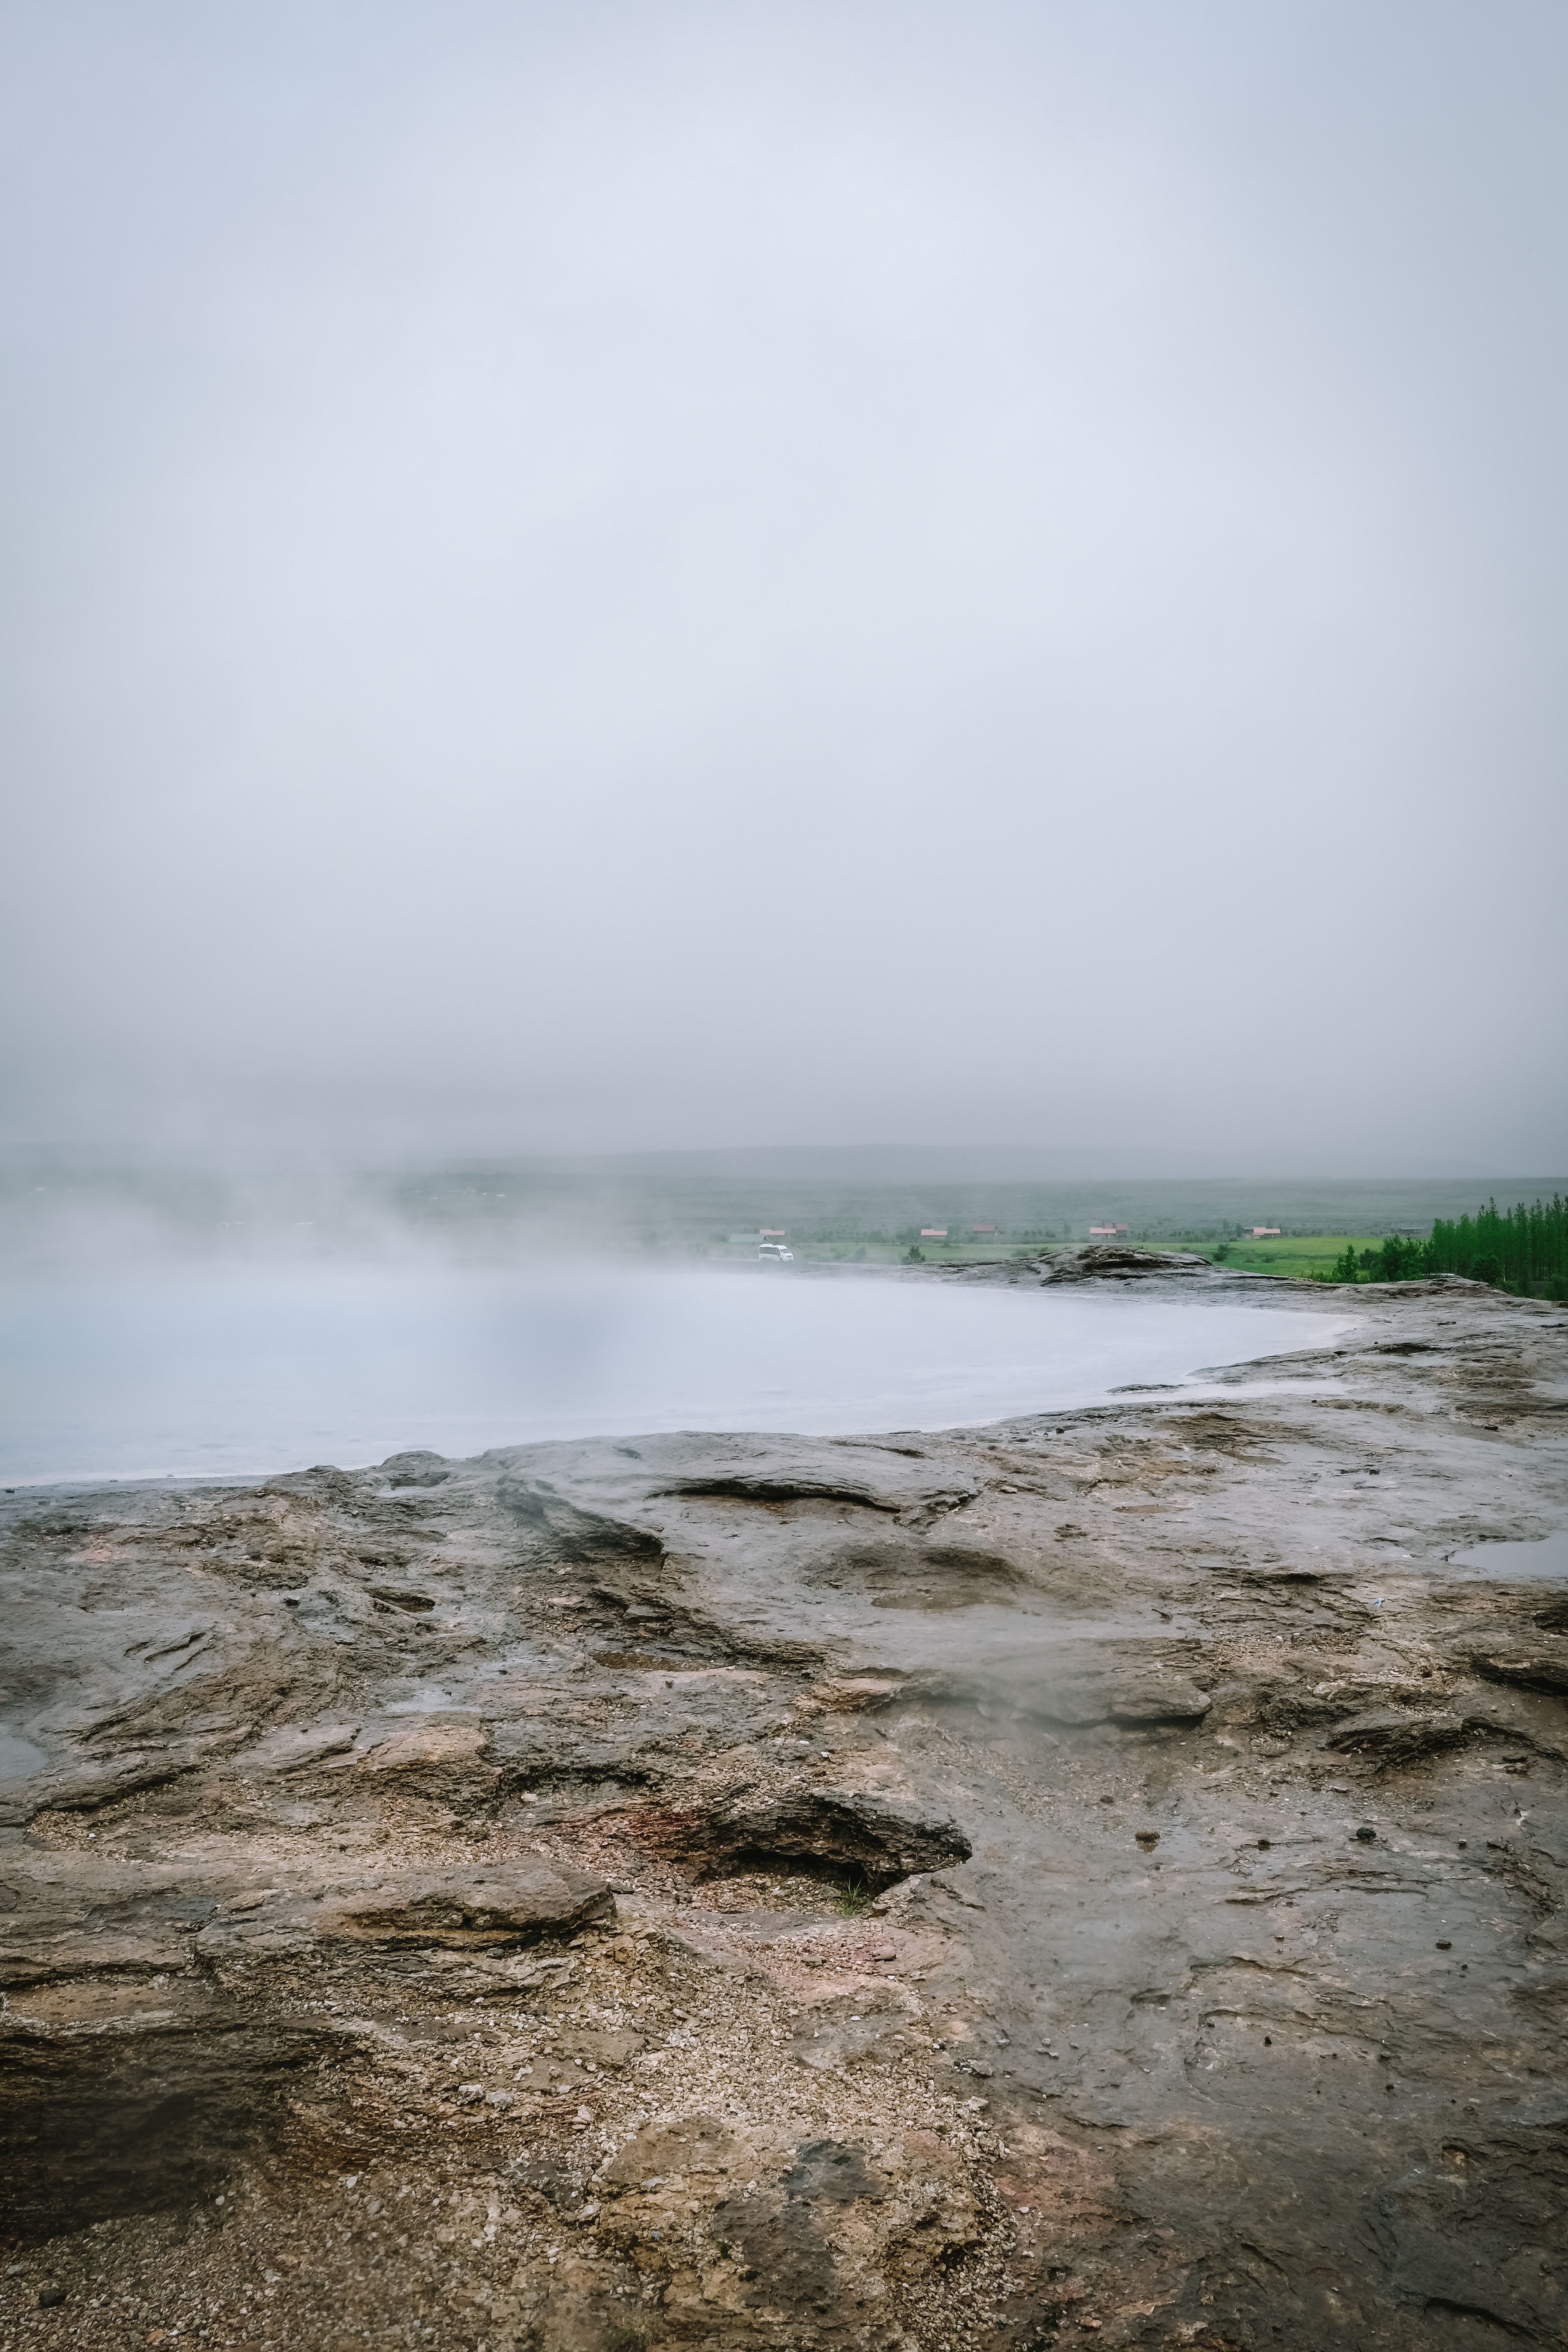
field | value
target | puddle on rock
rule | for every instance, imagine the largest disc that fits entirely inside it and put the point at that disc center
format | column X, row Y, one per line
column 1549, row 1557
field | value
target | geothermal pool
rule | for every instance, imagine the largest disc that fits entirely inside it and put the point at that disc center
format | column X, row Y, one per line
column 222, row 1371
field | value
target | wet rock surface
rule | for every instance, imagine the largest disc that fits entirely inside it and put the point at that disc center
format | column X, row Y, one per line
column 1101, row 1875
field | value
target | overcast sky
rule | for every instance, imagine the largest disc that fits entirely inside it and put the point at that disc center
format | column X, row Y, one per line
column 599, row 576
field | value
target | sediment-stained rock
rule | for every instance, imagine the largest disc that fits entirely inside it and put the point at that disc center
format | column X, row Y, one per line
column 1098, row 1260
column 525, row 1897
column 869, row 1836
column 1398, row 1738
column 1531, row 1664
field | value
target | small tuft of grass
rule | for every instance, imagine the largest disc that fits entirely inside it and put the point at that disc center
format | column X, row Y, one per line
column 855, row 1895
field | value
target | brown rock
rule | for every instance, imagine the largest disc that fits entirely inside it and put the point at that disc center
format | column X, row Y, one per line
column 489, row 1903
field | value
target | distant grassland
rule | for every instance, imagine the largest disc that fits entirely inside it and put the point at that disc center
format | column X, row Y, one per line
column 1294, row 1253
column 1299, row 1253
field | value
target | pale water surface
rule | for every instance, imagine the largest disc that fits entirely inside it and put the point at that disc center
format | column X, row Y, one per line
column 221, row 1372
column 1548, row 1557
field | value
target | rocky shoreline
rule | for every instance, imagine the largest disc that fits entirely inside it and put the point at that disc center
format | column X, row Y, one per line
column 1099, row 1875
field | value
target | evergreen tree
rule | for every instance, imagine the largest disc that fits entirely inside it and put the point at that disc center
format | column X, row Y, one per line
column 1520, row 1249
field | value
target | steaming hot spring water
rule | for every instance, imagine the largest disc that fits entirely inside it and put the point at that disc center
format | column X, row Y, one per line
column 224, row 1371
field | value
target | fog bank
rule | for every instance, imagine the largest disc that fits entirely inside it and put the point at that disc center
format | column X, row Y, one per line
column 689, row 576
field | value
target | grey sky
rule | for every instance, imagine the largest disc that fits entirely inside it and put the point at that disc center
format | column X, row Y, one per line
column 601, row 576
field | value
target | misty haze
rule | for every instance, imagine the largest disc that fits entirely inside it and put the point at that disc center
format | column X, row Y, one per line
column 783, row 1324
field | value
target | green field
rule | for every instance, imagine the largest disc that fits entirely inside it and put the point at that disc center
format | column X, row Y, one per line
column 1292, row 1253
column 1297, row 1254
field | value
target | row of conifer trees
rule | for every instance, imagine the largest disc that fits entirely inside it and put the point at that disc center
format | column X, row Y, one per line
column 1518, row 1249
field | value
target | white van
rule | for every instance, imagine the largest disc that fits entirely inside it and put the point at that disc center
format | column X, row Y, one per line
column 776, row 1252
